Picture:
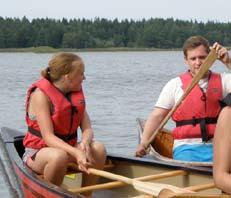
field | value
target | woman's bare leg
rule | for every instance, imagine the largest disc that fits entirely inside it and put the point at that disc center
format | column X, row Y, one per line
column 99, row 155
column 52, row 163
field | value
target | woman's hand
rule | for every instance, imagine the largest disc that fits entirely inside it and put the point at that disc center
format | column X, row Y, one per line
column 81, row 159
column 85, row 147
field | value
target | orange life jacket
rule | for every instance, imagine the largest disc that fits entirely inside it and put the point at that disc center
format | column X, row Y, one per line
column 67, row 113
column 197, row 115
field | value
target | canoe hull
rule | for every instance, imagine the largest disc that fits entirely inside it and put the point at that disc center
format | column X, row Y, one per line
column 132, row 167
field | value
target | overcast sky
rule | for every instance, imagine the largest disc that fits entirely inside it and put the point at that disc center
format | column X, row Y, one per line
column 201, row 10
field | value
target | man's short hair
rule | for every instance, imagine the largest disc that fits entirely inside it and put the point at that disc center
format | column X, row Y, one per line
column 194, row 42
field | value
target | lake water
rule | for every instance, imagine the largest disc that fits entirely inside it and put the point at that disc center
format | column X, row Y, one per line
column 119, row 87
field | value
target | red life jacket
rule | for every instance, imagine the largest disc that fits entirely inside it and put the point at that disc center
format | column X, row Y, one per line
column 67, row 113
column 197, row 115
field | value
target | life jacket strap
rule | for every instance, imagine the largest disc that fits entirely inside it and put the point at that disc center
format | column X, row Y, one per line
column 202, row 121
column 65, row 138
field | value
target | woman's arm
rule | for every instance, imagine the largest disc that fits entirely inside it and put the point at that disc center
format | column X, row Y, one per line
column 87, row 132
column 222, row 151
column 41, row 108
column 87, row 137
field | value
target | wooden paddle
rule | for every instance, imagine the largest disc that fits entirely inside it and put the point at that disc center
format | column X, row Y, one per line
column 167, row 193
column 146, row 187
column 210, row 59
column 116, row 184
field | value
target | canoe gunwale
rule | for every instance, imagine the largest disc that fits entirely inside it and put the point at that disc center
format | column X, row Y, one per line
column 149, row 160
column 18, row 165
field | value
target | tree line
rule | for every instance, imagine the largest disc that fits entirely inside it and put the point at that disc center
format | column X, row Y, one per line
column 105, row 33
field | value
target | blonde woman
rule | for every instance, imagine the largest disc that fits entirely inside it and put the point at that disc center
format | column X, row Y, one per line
column 55, row 109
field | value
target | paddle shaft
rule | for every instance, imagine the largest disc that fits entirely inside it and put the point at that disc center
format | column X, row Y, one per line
column 111, row 176
column 200, row 187
column 210, row 59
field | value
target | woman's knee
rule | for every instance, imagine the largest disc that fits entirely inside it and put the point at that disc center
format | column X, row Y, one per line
column 59, row 156
column 99, row 148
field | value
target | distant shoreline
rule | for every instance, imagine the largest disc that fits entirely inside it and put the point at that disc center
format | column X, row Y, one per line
column 46, row 49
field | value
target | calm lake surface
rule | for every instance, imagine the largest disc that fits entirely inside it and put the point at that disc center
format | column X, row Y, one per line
column 119, row 87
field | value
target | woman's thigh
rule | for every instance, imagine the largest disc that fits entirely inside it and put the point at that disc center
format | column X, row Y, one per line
column 45, row 156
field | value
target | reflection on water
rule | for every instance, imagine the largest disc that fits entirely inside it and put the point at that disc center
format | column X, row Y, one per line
column 119, row 87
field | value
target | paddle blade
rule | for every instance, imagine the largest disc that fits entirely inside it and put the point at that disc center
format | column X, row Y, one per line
column 146, row 187
column 156, row 188
column 166, row 193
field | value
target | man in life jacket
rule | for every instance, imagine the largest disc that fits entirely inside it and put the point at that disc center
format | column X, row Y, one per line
column 197, row 115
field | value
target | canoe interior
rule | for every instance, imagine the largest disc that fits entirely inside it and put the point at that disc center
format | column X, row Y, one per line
column 122, row 165
column 133, row 169
column 162, row 146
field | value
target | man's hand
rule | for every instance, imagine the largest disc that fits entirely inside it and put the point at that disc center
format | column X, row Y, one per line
column 142, row 150
column 222, row 54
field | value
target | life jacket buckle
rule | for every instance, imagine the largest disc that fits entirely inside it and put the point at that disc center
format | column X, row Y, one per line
column 194, row 121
